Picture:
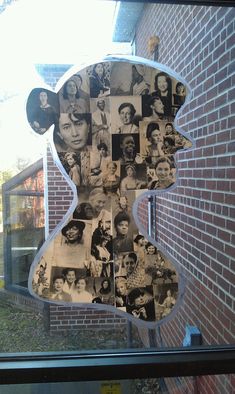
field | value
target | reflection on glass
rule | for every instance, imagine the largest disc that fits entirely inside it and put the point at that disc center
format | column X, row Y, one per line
column 26, row 232
column 33, row 183
column 23, row 224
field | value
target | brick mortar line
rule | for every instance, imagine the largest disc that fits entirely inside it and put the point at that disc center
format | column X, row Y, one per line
column 213, row 283
column 207, row 189
column 202, row 273
column 198, row 219
column 207, row 31
column 214, row 315
column 173, row 59
column 215, row 238
column 178, row 203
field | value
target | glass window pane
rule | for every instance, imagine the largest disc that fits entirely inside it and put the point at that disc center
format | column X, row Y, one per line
column 192, row 223
column 207, row 383
column 33, row 183
column 24, row 235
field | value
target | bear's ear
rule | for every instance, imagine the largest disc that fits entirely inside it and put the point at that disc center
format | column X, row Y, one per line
column 42, row 109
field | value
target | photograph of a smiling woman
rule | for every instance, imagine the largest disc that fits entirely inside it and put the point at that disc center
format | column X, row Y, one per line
column 72, row 247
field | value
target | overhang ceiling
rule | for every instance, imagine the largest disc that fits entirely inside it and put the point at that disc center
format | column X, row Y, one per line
column 126, row 19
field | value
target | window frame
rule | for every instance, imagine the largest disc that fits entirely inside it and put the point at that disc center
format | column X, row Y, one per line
column 19, row 368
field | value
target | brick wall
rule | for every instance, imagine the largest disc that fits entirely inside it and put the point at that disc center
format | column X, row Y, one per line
column 60, row 194
column 73, row 318
column 195, row 221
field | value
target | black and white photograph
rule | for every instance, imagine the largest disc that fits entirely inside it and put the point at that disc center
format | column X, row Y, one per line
column 123, row 203
column 111, row 178
column 165, row 299
column 141, row 80
column 158, row 269
column 162, row 88
column 151, row 141
column 42, row 110
column 122, row 241
column 179, row 93
column 141, row 304
column 94, row 206
column 103, row 291
column 130, row 79
column 121, row 77
column 101, row 122
column 102, row 250
column 140, row 243
column 101, row 207
column 164, row 175
column 73, row 132
column 72, row 97
column 99, row 80
column 99, row 160
column 131, row 266
column 76, row 285
column 72, row 247
column 72, row 163
column 127, row 148
column 83, row 211
column 83, row 290
column 158, row 139
column 154, row 109
column 126, row 114
column 133, row 177
column 41, row 279
column 113, row 148
column 121, row 292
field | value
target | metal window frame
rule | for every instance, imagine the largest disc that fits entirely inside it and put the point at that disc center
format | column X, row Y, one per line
column 209, row 3
column 90, row 366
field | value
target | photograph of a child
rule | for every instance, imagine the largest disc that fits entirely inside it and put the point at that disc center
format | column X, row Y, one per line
column 121, row 292
column 165, row 299
column 75, row 284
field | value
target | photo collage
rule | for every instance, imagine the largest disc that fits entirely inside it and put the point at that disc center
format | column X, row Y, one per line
column 115, row 137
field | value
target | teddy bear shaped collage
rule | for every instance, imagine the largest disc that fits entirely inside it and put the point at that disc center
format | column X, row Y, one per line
column 114, row 136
